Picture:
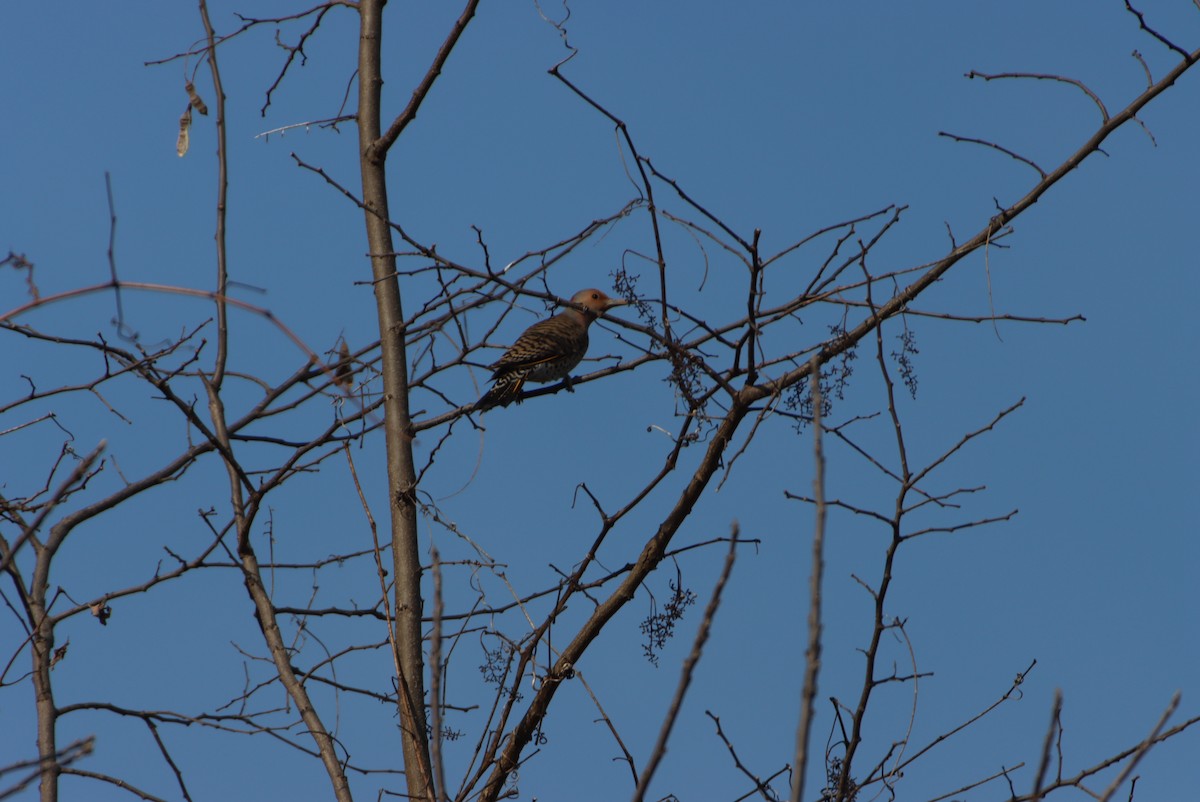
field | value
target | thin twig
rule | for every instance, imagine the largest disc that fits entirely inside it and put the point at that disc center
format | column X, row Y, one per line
column 1048, row 742
column 689, row 665
column 994, row 146
column 435, row 678
column 1045, row 77
column 1187, row 57
column 812, row 653
column 762, row 787
column 1142, row 749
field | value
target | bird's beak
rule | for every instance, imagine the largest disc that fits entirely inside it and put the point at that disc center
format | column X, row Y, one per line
column 615, row 302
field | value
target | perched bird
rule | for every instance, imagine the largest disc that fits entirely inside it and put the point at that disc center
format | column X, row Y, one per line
column 548, row 350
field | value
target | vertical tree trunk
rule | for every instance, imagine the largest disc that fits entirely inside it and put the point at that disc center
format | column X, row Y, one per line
column 398, row 429
column 42, row 652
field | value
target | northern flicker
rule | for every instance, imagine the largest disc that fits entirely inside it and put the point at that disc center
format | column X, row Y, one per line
column 548, row 350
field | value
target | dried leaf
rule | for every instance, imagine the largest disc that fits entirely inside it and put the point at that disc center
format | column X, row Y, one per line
column 185, row 123
column 194, row 98
column 18, row 262
column 102, row 611
column 344, row 374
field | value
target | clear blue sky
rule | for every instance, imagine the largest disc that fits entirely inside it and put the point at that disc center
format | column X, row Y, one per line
column 781, row 116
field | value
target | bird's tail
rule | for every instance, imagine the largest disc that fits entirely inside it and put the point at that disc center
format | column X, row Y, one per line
column 506, row 390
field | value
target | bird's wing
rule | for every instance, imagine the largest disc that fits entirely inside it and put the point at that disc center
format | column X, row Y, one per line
column 542, row 342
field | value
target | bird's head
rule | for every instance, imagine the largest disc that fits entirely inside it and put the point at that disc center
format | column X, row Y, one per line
column 595, row 301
